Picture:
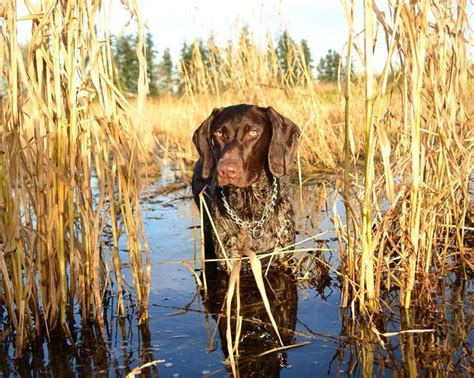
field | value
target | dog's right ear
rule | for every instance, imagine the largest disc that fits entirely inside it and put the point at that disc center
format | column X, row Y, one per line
column 202, row 141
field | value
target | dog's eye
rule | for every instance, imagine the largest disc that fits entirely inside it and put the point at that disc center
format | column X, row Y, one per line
column 218, row 133
column 253, row 133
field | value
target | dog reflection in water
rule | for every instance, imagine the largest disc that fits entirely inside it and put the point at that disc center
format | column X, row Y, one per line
column 257, row 333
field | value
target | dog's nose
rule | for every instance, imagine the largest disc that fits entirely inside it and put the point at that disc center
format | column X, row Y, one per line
column 228, row 170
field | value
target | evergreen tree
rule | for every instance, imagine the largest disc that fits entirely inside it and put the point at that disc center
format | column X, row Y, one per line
column 308, row 59
column 186, row 54
column 151, row 67
column 293, row 59
column 185, row 63
column 127, row 66
column 165, row 74
column 284, row 45
column 126, row 63
column 328, row 66
column 189, row 64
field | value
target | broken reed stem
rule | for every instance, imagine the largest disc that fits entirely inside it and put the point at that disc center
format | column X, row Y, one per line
column 234, row 279
column 203, row 243
column 69, row 169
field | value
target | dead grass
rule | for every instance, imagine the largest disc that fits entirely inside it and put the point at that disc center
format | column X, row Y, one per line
column 69, row 168
column 414, row 205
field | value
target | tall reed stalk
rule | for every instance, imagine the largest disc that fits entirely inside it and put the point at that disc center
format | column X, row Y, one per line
column 68, row 169
column 366, row 276
column 348, row 258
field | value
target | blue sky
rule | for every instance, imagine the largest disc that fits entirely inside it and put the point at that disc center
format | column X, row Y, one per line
column 171, row 22
column 320, row 22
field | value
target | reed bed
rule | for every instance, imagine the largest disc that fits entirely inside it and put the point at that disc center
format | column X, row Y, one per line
column 414, row 199
column 69, row 159
column 399, row 143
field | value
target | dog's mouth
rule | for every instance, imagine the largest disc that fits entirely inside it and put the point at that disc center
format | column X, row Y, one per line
column 238, row 181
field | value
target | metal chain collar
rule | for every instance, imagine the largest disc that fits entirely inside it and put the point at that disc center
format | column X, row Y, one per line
column 255, row 226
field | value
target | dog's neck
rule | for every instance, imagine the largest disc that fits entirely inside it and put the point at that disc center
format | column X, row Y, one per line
column 250, row 201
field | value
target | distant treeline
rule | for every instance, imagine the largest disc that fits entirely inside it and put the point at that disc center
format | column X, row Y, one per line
column 166, row 77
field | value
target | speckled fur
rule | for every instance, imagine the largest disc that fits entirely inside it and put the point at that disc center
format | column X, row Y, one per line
column 249, row 203
column 244, row 165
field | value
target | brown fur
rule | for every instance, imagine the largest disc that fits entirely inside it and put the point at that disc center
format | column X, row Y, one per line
column 243, row 167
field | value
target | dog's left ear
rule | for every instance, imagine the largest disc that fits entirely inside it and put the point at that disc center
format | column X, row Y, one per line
column 202, row 141
column 285, row 135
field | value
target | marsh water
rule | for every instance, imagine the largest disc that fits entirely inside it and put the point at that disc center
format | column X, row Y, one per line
column 185, row 335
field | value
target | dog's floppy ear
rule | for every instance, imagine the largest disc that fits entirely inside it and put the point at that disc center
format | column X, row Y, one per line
column 202, row 141
column 282, row 150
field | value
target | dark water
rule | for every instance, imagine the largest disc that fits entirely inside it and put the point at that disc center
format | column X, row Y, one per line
column 186, row 332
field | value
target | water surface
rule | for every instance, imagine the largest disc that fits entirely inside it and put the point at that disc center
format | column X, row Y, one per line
column 185, row 334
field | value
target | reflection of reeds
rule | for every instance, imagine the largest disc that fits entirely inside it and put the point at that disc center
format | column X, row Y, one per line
column 67, row 169
column 425, row 342
column 93, row 352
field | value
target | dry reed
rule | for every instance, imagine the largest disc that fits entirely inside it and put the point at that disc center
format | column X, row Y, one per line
column 414, row 211
column 68, row 170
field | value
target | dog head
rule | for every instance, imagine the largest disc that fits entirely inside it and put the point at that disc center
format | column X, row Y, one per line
column 241, row 142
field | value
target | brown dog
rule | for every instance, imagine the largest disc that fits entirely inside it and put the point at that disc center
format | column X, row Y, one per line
column 245, row 150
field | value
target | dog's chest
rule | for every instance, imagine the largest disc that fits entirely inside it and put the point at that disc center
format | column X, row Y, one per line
column 237, row 239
